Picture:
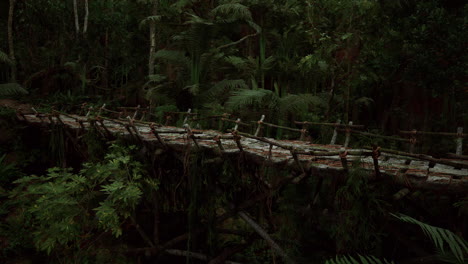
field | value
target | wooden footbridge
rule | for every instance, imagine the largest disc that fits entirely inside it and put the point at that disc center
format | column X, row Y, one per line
column 410, row 170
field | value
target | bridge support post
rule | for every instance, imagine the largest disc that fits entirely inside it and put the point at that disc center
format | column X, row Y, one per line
column 217, row 139
column 158, row 137
column 344, row 161
column 375, row 158
column 237, row 140
column 190, row 134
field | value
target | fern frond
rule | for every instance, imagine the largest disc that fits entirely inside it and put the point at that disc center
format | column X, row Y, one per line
column 268, row 63
column 223, row 88
column 255, row 26
column 149, row 19
column 362, row 259
column 156, row 78
column 173, row 56
column 157, row 95
column 194, row 19
column 300, row 103
column 256, row 98
column 231, row 12
column 8, row 89
column 235, row 61
column 5, row 58
column 439, row 237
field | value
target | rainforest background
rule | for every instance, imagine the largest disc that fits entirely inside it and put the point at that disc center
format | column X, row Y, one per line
column 388, row 65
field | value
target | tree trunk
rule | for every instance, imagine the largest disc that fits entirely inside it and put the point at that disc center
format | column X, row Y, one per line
column 152, row 34
column 10, row 41
column 85, row 22
column 75, row 13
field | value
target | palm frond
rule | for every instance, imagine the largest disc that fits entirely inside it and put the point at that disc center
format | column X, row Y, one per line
column 231, row 12
column 173, row 56
column 8, row 89
column 361, row 259
column 440, row 236
column 256, row 98
column 5, row 58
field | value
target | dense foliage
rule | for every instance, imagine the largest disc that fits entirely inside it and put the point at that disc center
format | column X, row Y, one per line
column 389, row 65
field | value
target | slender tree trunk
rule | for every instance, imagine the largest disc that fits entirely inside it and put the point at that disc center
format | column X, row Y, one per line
column 152, row 33
column 10, row 41
column 75, row 13
column 85, row 22
column 105, row 73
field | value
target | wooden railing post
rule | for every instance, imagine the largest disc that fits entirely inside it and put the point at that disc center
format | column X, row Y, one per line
column 335, row 133
column 237, row 124
column 100, row 109
column 89, row 111
column 303, row 132
column 413, row 140
column 259, row 127
column 187, row 117
column 136, row 112
column 459, row 150
column 348, row 134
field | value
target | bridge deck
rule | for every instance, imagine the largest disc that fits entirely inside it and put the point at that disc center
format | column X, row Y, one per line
column 299, row 155
column 314, row 159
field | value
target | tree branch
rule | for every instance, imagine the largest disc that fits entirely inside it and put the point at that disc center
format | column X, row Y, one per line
column 237, row 42
column 267, row 237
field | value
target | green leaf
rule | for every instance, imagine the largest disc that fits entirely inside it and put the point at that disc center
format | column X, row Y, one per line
column 5, row 58
column 8, row 89
column 439, row 237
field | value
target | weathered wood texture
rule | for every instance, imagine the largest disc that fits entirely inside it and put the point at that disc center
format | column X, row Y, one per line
column 305, row 158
